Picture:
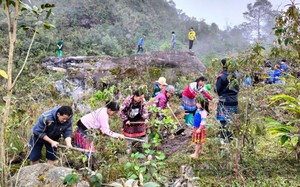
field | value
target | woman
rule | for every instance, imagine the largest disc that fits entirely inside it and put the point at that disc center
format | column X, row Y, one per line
column 97, row 120
column 189, row 95
column 133, row 114
column 163, row 97
column 159, row 85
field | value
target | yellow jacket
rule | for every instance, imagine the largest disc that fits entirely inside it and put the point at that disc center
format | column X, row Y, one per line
column 192, row 35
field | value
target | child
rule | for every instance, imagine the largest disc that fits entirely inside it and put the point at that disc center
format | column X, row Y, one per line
column 199, row 134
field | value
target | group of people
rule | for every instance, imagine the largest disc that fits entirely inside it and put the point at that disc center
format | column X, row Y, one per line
column 57, row 122
column 191, row 36
column 275, row 74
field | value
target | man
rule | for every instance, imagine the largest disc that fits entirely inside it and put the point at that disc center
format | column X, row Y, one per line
column 49, row 128
column 173, row 41
column 227, row 90
column 192, row 37
column 59, row 45
column 140, row 45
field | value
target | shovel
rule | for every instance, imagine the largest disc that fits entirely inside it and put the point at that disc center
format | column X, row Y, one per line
column 181, row 129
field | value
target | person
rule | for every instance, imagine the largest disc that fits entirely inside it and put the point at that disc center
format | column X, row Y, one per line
column 270, row 74
column 133, row 113
column 173, row 41
column 192, row 37
column 163, row 97
column 283, row 66
column 59, row 49
column 159, row 85
column 96, row 120
column 248, row 80
column 48, row 129
column 227, row 90
column 189, row 95
column 199, row 133
column 277, row 74
column 140, row 45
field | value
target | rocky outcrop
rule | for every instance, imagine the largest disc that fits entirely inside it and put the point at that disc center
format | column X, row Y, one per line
column 41, row 175
column 167, row 63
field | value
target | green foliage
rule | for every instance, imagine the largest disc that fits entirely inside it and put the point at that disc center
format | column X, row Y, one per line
column 71, row 179
column 148, row 165
column 287, row 30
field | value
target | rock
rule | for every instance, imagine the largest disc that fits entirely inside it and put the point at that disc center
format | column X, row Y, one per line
column 170, row 63
column 41, row 175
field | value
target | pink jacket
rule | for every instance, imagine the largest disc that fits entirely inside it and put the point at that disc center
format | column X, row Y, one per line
column 98, row 119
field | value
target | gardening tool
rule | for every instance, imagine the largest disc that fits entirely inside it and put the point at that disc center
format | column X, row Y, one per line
column 75, row 148
column 135, row 139
column 181, row 129
column 138, row 122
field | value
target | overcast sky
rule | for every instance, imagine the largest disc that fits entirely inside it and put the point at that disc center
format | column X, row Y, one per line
column 222, row 12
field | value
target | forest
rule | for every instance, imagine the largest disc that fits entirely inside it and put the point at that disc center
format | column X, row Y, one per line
column 264, row 148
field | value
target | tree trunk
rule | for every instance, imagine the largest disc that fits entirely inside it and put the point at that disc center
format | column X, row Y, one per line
column 12, row 31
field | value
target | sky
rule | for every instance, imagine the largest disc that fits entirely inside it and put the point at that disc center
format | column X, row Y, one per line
column 222, row 12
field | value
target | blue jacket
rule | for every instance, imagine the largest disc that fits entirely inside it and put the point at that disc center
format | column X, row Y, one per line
column 276, row 76
column 197, row 119
column 49, row 125
column 141, row 41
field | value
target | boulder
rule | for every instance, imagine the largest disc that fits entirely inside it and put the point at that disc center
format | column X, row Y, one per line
column 41, row 175
column 95, row 67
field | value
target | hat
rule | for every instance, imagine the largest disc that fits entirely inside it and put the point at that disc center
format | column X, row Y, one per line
column 162, row 81
column 170, row 89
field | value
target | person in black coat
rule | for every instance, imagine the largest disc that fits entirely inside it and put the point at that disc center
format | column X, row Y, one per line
column 227, row 88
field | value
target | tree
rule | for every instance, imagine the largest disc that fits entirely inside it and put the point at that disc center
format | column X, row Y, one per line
column 287, row 29
column 14, row 8
column 258, row 15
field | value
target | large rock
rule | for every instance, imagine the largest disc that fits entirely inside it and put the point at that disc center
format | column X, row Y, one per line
column 41, row 175
column 171, row 64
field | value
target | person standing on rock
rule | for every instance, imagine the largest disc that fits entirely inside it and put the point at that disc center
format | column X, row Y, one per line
column 140, row 45
column 192, row 37
column 173, row 41
column 49, row 128
column 59, row 48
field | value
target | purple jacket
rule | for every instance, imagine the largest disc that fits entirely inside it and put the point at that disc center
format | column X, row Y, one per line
column 162, row 100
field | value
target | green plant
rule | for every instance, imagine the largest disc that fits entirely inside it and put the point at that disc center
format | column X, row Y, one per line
column 148, row 164
column 287, row 129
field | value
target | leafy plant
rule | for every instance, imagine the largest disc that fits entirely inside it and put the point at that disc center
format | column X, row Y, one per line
column 290, row 130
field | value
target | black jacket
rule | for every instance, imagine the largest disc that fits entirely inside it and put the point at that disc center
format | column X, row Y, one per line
column 227, row 90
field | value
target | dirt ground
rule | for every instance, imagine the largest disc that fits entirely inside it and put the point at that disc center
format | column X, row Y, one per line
column 178, row 143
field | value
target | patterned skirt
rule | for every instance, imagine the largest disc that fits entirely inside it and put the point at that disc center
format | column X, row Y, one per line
column 188, row 104
column 224, row 112
column 199, row 138
column 82, row 140
column 137, row 129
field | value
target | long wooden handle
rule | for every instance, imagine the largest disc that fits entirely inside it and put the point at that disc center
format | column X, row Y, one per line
column 135, row 139
column 174, row 114
column 75, row 148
